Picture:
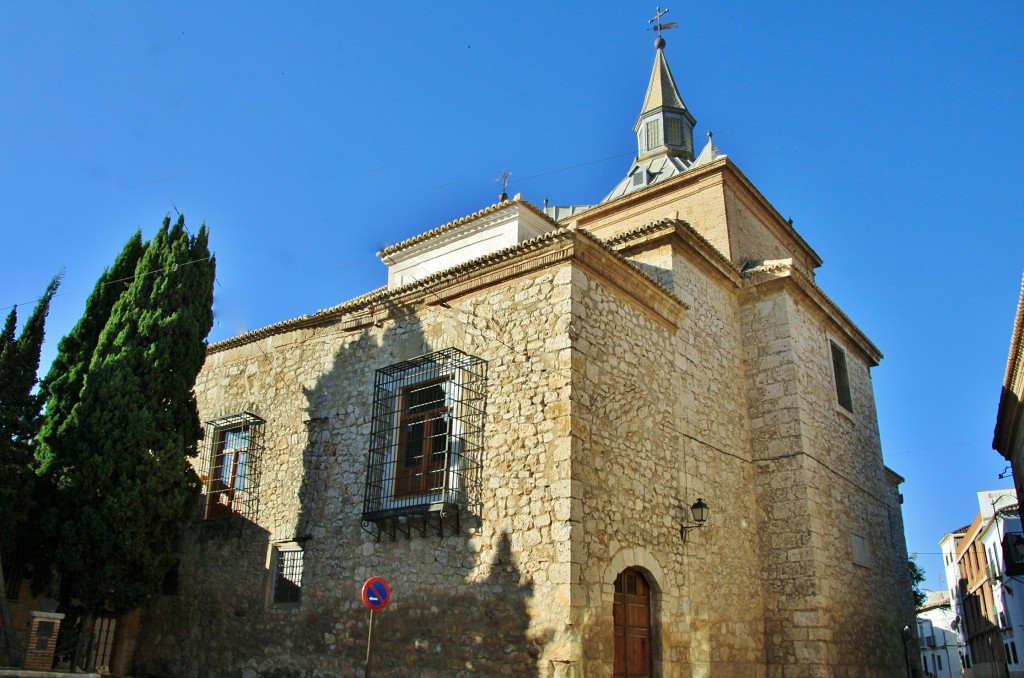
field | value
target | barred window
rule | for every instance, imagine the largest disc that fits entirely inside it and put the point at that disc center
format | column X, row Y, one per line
column 286, row 574
column 426, row 435
column 231, row 475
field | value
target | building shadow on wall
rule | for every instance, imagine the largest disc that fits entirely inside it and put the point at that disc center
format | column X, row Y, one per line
column 459, row 604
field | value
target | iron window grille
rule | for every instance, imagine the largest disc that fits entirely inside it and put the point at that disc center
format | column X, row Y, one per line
column 231, row 471
column 426, row 442
column 286, row 583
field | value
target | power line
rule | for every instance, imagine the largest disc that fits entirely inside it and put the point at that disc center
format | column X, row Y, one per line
column 564, row 169
column 172, row 267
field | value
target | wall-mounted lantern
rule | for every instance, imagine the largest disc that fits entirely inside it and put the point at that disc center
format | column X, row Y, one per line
column 700, row 511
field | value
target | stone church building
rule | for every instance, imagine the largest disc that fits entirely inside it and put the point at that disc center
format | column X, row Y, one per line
column 627, row 439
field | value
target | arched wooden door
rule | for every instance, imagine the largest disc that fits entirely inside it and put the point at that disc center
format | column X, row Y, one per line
column 632, row 614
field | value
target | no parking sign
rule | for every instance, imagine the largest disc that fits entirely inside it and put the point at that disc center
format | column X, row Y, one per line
column 376, row 593
column 376, row 596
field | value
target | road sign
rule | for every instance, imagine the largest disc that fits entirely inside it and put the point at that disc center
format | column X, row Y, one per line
column 376, row 593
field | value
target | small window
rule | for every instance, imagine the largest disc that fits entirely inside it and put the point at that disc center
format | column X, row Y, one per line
column 639, row 177
column 653, row 134
column 231, row 475
column 673, row 131
column 286, row 574
column 938, row 660
column 842, row 377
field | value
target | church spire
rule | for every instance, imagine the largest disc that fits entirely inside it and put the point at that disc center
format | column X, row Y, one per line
column 665, row 126
column 664, row 129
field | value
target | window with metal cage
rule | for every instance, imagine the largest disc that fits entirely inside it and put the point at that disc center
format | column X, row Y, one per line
column 426, row 441
column 232, row 466
column 286, row 573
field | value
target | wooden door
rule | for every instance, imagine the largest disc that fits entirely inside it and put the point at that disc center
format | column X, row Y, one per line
column 632, row 615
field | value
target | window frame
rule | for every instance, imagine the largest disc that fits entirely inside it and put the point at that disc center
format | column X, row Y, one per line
column 446, row 475
column 233, row 492
column 279, row 570
column 674, row 127
column 653, row 125
column 841, row 382
column 434, row 440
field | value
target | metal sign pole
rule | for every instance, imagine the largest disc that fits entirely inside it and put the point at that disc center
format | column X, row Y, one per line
column 369, row 647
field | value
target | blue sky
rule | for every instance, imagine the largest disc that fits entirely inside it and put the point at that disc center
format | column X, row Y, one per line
column 310, row 135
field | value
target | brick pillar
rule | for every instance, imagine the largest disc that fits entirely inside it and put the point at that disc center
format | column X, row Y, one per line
column 42, row 639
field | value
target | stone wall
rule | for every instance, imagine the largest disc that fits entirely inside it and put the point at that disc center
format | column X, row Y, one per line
column 492, row 600
column 821, row 487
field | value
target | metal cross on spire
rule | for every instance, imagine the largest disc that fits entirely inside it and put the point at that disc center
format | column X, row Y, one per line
column 505, row 174
column 661, row 26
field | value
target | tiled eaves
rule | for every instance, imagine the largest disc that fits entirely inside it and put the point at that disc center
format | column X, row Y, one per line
column 1009, row 396
column 388, row 297
column 683, row 229
column 1012, row 377
column 321, row 317
column 527, row 246
column 788, row 269
column 434, row 232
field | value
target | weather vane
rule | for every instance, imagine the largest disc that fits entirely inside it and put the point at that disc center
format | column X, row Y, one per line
column 661, row 26
column 505, row 174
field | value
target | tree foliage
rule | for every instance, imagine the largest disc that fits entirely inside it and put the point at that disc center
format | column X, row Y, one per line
column 20, row 419
column 20, row 406
column 916, row 579
column 62, row 387
column 115, row 450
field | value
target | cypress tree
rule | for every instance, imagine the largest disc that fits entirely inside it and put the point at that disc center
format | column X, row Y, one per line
column 118, row 463
column 20, row 420
column 62, row 386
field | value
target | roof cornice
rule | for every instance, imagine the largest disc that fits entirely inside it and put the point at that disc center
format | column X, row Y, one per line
column 783, row 272
column 723, row 166
column 452, row 225
column 1008, row 412
column 537, row 253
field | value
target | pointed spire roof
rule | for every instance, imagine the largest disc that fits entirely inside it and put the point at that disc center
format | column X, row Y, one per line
column 661, row 91
column 664, row 133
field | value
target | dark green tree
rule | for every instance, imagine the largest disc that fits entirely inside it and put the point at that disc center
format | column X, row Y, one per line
column 20, row 420
column 117, row 462
column 916, row 579
column 62, row 387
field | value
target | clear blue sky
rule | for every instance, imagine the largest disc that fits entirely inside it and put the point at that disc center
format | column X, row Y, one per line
column 309, row 135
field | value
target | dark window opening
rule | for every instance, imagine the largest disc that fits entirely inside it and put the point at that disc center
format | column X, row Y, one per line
column 286, row 586
column 842, row 376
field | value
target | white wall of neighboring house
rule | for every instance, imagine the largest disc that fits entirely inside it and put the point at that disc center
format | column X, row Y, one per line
column 940, row 652
column 997, row 516
column 1007, row 591
column 952, row 572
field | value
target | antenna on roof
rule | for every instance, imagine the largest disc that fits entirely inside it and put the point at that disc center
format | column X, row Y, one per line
column 505, row 174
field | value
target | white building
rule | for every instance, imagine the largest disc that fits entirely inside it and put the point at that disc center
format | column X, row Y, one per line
column 940, row 652
column 984, row 564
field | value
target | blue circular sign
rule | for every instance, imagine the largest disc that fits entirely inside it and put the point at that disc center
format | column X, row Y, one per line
column 376, row 593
